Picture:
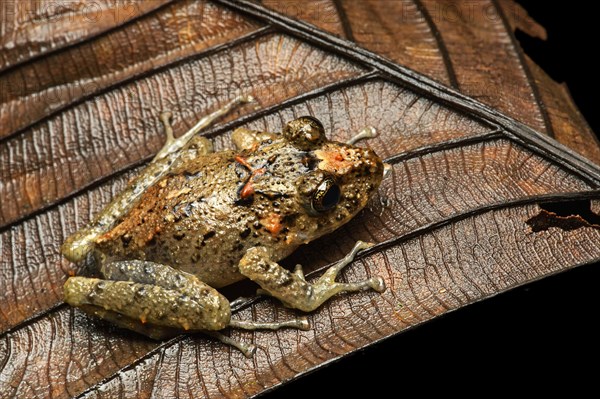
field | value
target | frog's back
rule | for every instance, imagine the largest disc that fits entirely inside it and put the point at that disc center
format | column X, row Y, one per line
column 209, row 210
column 190, row 220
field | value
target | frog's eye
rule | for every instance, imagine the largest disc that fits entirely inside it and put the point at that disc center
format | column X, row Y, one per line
column 326, row 196
column 305, row 132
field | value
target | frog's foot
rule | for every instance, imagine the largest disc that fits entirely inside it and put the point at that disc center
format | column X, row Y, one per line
column 299, row 323
column 368, row 132
column 292, row 289
column 159, row 332
column 197, row 145
column 174, row 145
column 136, row 293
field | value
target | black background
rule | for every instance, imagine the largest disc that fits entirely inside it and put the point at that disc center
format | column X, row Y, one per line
column 541, row 337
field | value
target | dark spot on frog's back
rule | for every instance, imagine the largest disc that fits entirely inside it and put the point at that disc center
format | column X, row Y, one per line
column 289, row 221
column 179, row 235
column 245, row 233
column 243, row 201
column 189, row 175
column 209, row 235
column 310, row 162
column 206, row 237
column 126, row 239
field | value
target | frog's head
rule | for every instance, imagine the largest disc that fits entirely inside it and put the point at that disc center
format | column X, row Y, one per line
column 340, row 179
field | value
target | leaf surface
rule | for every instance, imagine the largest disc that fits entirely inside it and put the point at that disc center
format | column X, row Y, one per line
column 464, row 214
column 469, row 45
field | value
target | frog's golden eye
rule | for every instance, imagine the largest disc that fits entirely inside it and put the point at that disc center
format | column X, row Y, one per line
column 305, row 132
column 326, row 196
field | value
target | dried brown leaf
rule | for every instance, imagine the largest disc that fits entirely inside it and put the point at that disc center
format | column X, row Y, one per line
column 463, row 216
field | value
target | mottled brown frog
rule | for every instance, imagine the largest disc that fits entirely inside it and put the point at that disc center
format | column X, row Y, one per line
column 195, row 220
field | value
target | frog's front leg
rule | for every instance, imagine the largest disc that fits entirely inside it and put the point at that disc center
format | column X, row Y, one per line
column 292, row 289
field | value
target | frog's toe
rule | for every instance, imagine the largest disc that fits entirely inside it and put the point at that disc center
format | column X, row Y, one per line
column 368, row 132
column 247, row 349
column 300, row 323
column 303, row 324
column 377, row 284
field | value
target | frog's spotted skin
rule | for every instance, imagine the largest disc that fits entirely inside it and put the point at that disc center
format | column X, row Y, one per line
column 195, row 221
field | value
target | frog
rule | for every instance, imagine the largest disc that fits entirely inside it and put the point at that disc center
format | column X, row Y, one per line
column 195, row 220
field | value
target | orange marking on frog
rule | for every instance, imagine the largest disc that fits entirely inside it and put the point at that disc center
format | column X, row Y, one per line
column 336, row 161
column 272, row 223
column 248, row 190
column 242, row 161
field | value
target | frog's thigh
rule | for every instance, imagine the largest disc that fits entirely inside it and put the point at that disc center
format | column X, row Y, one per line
column 151, row 294
column 292, row 289
column 245, row 139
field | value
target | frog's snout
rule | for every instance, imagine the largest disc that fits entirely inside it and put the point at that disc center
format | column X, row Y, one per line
column 365, row 164
column 373, row 162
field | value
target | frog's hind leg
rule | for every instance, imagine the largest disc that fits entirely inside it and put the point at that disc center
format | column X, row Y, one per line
column 160, row 302
column 147, row 293
column 118, row 319
column 292, row 289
